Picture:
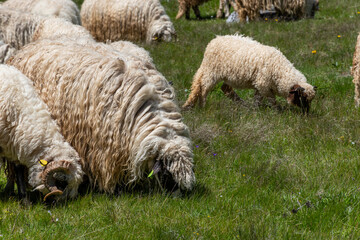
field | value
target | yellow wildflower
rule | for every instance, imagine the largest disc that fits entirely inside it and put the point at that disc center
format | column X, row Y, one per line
column 313, row 51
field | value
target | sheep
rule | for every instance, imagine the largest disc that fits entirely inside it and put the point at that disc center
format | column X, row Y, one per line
column 243, row 63
column 28, row 135
column 18, row 28
column 249, row 10
column 65, row 9
column 224, row 7
column 185, row 5
column 355, row 72
column 133, row 20
column 120, row 123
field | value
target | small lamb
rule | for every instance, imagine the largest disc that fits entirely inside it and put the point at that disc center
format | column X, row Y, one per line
column 243, row 63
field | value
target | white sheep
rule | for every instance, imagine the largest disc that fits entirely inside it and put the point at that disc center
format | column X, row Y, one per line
column 355, row 71
column 28, row 134
column 65, row 9
column 18, row 28
column 134, row 20
column 243, row 63
column 122, row 124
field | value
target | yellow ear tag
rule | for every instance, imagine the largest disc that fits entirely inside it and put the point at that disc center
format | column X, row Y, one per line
column 43, row 162
column 151, row 173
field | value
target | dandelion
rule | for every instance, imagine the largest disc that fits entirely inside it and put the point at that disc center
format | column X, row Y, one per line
column 208, row 216
column 339, row 36
column 276, row 20
column 358, row 12
column 266, row 19
column 342, row 138
column 243, row 175
column 197, row 234
column 230, row 131
column 313, row 51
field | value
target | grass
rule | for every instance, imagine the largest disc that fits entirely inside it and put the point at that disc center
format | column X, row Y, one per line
column 261, row 173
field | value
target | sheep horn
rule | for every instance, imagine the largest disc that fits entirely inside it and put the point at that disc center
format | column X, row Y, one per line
column 49, row 179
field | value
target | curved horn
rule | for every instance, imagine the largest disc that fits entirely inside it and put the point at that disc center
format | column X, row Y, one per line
column 49, row 179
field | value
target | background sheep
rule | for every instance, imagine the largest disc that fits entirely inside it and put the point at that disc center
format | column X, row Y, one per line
column 115, row 118
column 65, row 9
column 18, row 28
column 249, row 10
column 134, row 20
column 186, row 5
column 244, row 63
column 29, row 134
column 355, row 71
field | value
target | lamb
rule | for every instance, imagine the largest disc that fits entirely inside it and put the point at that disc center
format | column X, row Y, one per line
column 243, row 63
column 355, row 72
column 288, row 9
column 120, row 123
column 185, row 5
column 133, row 20
column 65, row 9
column 18, row 28
column 28, row 134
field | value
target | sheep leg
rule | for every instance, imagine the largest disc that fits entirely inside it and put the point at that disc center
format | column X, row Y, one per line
column 357, row 94
column 195, row 91
column 230, row 93
column 227, row 8
column 21, row 182
column 196, row 11
column 182, row 10
column 219, row 13
column 258, row 99
column 10, row 176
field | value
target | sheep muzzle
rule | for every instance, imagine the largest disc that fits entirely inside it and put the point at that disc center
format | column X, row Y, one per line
column 298, row 97
column 164, row 177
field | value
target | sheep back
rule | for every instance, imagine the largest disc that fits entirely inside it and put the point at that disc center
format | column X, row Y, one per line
column 65, row 9
column 133, row 20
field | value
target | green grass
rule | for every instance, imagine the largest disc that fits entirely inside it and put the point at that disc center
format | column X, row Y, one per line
column 276, row 174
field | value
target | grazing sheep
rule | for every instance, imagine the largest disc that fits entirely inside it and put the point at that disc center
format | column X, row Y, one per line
column 65, row 9
column 243, row 63
column 224, row 7
column 355, row 71
column 107, row 107
column 18, row 28
column 186, row 5
column 249, row 10
column 28, row 134
column 134, row 20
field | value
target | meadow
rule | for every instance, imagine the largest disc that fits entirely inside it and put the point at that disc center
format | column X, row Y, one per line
column 262, row 173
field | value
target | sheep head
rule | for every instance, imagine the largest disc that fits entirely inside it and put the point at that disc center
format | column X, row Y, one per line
column 173, row 170
column 301, row 97
column 57, row 177
column 161, row 30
